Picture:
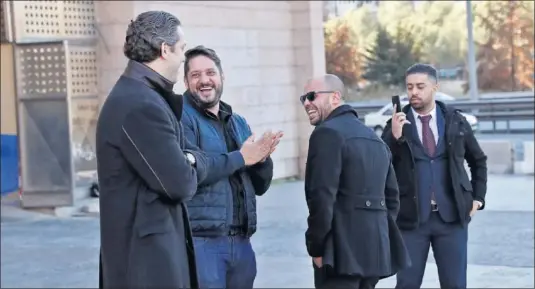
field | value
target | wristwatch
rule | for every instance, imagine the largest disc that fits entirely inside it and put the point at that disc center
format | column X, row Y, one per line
column 191, row 158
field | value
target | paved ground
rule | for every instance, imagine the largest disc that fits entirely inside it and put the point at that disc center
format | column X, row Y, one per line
column 53, row 253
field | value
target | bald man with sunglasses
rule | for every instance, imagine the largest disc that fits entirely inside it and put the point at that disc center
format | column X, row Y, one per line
column 351, row 193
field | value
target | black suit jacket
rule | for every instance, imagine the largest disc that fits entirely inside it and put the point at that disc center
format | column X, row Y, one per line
column 461, row 145
column 353, row 200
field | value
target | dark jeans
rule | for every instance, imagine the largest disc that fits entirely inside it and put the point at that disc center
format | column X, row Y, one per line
column 325, row 277
column 449, row 242
column 225, row 262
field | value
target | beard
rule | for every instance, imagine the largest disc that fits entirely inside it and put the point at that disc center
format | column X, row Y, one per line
column 206, row 104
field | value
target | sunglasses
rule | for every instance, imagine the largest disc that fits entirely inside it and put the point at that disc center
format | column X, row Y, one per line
column 312, row 95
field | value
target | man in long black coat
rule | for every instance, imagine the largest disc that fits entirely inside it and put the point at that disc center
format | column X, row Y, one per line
column 145, row 172
column 352, row 195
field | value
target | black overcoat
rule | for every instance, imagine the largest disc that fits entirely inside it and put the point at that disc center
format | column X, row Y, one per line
column 353, row 199
column 145, row 179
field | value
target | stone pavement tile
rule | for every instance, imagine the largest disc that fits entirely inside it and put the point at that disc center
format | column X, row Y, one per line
column 510, row 193
column 283, row 272
column 10, row 213
column 63, row 253
column 500, row 246
column 478, row 277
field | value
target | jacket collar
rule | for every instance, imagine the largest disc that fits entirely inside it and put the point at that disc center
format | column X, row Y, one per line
column 342, row 109
column 149, row 77
column 225, row 109
column 155, row 81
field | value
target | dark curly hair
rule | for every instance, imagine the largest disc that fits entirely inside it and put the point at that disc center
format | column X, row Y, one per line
column 145, row 35
column 204, row 51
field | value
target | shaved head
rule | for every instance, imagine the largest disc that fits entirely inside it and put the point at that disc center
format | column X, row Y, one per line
column 322, row 95
column 327, row 82
column 333, row 82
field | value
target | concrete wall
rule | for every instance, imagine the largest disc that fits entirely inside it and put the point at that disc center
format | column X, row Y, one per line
column 500, row 156
column 8, row 104
column 525, row 166
column 268, row 50
column 508, row 157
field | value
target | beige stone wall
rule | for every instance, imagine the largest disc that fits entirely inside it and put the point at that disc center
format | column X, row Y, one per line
column 8, row 103
column 268, row 49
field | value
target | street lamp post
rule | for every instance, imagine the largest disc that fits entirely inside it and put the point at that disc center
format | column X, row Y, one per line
column 472, row 71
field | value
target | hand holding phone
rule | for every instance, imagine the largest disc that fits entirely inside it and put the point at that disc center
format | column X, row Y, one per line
column 398, row 118
column 396, row 103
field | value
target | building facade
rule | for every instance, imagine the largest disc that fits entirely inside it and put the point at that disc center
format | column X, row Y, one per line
column 70, row 53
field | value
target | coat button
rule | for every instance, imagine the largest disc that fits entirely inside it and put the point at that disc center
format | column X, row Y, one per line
column 368, row 203
column 382, row 203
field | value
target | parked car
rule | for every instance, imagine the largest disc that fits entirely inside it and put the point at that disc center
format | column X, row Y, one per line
column 377, row 120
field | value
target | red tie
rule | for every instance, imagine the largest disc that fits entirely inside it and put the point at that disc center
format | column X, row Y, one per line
column 428, row 140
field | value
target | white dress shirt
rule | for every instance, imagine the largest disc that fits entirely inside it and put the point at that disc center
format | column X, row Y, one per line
column 432, row 123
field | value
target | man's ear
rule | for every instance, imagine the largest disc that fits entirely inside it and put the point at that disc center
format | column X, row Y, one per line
column 436, row 87
column 164, row 50
column 337, row 97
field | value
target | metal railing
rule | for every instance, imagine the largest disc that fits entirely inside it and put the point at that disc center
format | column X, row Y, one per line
column 486, row 110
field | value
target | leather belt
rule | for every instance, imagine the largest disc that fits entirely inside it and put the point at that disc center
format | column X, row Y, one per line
column 236, row 232
column 434, row 208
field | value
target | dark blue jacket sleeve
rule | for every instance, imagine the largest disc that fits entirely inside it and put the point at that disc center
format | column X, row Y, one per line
column 219, row 165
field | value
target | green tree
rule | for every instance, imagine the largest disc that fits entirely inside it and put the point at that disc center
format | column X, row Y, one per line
column 392, row 14
column 346, row 38
column 390, row 57
column 364, row 24
column 505, row 57
column 341, row 54
column 441, row 32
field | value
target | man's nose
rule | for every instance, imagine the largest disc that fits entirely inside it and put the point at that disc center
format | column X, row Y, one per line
column 204, row 79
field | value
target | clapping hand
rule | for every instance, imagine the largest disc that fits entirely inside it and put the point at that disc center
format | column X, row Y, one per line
column 275, row 137
column 257, row 150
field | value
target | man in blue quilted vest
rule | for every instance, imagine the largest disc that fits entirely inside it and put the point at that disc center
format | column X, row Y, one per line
column 223, row 211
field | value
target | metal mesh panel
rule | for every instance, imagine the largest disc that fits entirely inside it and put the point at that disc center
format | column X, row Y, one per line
column 42, row 70
column 79, row 19
column 37, row 21
column 3, row 22
column 44, row 129
column 83, row 76
column 83, row 70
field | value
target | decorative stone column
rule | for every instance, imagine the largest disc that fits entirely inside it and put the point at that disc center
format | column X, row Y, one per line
column 309, row 53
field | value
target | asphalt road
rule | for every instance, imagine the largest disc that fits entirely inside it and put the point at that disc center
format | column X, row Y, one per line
column 63, row 253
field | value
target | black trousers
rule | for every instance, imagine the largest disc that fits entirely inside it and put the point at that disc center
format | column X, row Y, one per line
column 326, row 278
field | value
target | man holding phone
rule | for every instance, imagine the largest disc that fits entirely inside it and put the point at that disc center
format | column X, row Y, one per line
column 429, row 141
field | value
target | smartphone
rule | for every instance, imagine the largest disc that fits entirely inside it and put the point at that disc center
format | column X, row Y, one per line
column 396, row 102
